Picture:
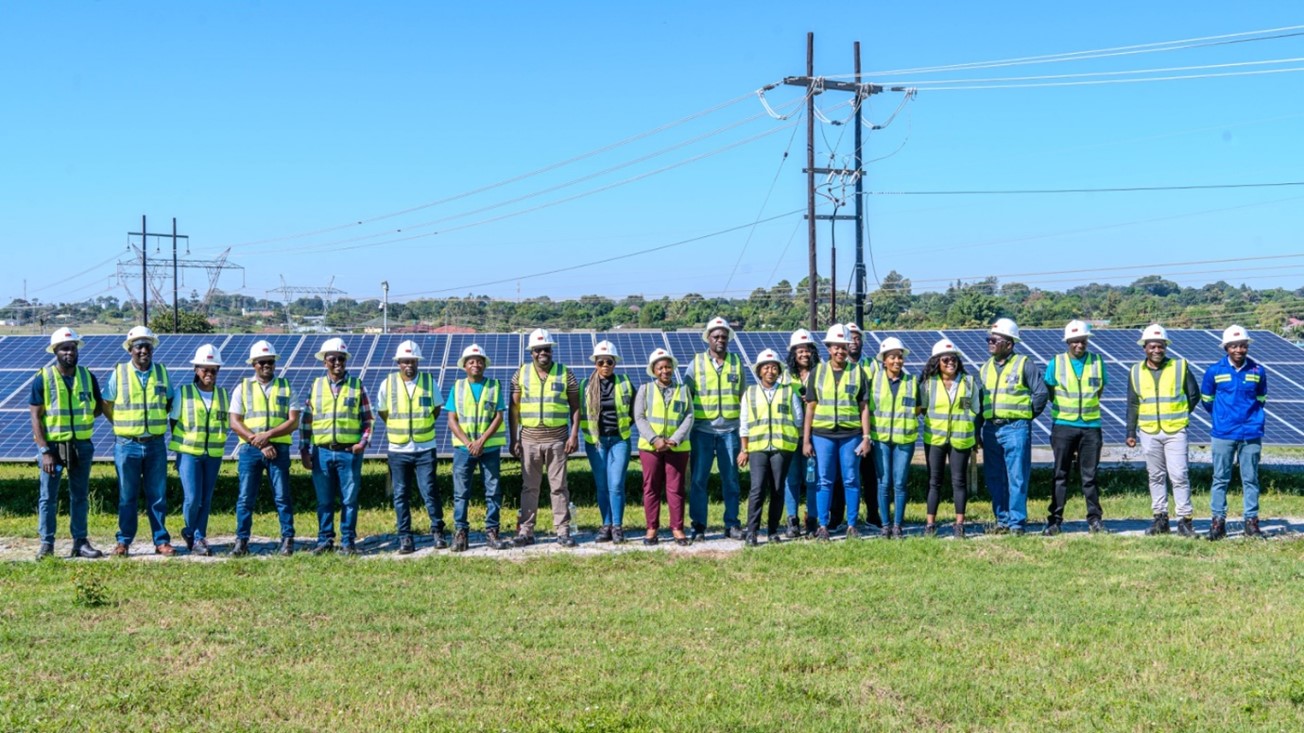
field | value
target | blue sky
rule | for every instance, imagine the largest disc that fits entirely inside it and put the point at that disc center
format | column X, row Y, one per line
column 257, row 124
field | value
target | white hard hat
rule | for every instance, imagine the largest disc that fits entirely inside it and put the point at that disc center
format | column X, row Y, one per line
column 63, row 336
column 605, row 348
column 713, row 324
column 408, row 350
column 892, row 343
column 333, row 345
column 837, row 334
column 1235, row 335
column 261, row 350
column 540, row 337
column 853, row 328
column 1007, row 328
column 1153, row 332
column 139, row 333
column 767, row 356
column 207, row 355
column 1076, row 329
column 470, row 351
column 657, row 355
column 945, row 346
column 800, row 337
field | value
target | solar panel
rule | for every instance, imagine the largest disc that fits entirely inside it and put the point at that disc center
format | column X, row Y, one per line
column 503, row 349
column 14, row 385
column 100, row 353
column 1269, row 347
column 634, row 346
column 754, row 342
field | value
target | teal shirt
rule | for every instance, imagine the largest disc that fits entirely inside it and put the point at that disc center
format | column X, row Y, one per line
column 1077, row 365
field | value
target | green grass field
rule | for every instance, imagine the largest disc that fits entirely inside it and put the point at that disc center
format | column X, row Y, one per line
column 1074, row 633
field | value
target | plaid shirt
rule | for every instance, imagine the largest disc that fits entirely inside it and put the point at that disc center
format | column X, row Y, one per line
column 305, row 417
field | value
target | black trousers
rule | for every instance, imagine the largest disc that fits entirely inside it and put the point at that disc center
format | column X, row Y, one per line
column 769, row 471
column 1068, row 442
column 868, row 494
column 938, row 456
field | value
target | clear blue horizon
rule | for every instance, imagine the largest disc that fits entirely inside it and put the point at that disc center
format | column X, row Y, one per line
column 415, row 143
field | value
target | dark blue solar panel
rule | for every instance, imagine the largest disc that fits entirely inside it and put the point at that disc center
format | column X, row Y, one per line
column 14, row 386
column 1273, row 349
column 573, row 349
column 236, row 350
column 100, row 353
column 1118, row 344
column 24, row 351
column 919, row 343
column 754, row 342
column 503, row 349
column 1292, row 376
column 634, row 346
column 16, row 436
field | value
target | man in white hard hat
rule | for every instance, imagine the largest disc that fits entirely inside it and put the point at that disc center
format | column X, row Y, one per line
column 1233, row 393
column 65, row 400
column 475, row 410
column 200, row 419
column 1161, row 393
column 336, row 423
column 409, row 401
column 869, row 366
column 716, row 381
column 138, row 397
column 264, row 413
column 545, row 422
column 1013, row 393
column 1076, row 380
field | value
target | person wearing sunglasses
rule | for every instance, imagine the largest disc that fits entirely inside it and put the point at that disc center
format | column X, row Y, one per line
column 952, row 412
column 606, row 417
column 803, row 357
column 137, row 398
column 200, row 420
column 264, row 413
column 1013, row 394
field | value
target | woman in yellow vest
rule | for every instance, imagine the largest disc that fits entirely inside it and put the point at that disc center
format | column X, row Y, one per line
column 663, row 412
column 803, row 356
column 606, row 415
column 199, row 420
column 769, row 426
column 835, row 428
column 893, row 397
column 952, row 412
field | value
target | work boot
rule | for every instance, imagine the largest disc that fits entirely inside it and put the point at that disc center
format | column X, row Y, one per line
column 240, row 548
column 441, row 539
column 461, row 541
column 957, row 531
column 564, row 539
column 793, row 530
column 406, row 546
column 811, row 525
column 200, row 548
column 1051, row 530
column 618, row 534
column 930, row 529
column 733, row 533
column 82, row 548
column 822, row 534
column 323, row 547
column 852, row 532
column 699, row 533
column 773, row 537
column 493, row 541
column 121, row 549
column 46, row 550
column 1095, row 526
column 1252, row 528
column 286, row 548
column 1184, row 527
column 1159, row 525
column 1217, row 529
column 523, row 539
column 604, row 533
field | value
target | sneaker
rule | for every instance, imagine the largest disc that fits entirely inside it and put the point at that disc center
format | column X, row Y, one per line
column 1018, row 531
column 494, row 542
column 793, row 530
column 441, row 539
column 1252, row 528
column 83, row 549
column 406, row 546
column 200, row 547
column 240, row 548
column 323, row 547
column 1095, row 526
column 822, row 534
column 349, row 549
column 999, row 529
column 957, row 531
column 1184, row 527
column 1159, row 525
column 852, row 532
column 604, row 533
column 461, row 541
column 618, row 534
column 565, row 540
column 734, row 533
column 1217, row 529
column 930, row 530
column 523, row 539
column 773, row 538
column 898, row 533
column 812, row 524
column 1051, row 530
column 46, row 550
column 749, row 540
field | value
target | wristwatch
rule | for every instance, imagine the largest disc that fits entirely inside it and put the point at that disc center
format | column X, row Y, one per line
column 45, row 449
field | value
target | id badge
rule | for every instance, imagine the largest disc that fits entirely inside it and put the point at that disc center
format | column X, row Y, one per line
column 556, row 386
column 731, row 378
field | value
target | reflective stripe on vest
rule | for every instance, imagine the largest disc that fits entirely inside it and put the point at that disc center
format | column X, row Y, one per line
column 336, row 418
column 475, row 417
column 1162, row 406
column 265, row 410
column 836, row 407
column 138, row 412
column 201, row 430
column 947, row 420
column 411, row 417
column 68, row 414
column 770, row 427
column 1005, row 395
column 1077, row 398
column 543, row 401
column 717, row 392
column 893, row 417
column 665, row 414
column 623, row 391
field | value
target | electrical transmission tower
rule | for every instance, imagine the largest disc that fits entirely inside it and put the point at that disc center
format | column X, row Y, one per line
column 325, row 293
column 153, row 273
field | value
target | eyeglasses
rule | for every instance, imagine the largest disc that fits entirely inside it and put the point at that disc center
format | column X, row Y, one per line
column 948, row 360
column 997, row 340
column 605, row 362
column 142, row 347
column 542, row 350
column 206, row 369
column 265, row 363
column 332, row 358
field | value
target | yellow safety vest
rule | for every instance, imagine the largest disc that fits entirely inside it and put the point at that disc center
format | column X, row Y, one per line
column 201, row 430
column 138, row 411
column 717, row 393
column 893, row 418
column 1077, row 398
column 68, row 414
column 665, row 415
column 474, row 416
column 543, row 401
column 336, row 418
column 1162, row 407
column 1005, row 395
column 836, row 407
column 410, row 417
column 946, row 420
column 266, row 410
column 770, row 427
column 624, row 417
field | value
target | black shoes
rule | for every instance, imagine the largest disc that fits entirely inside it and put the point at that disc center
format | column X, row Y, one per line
column 240, row 548
column 604, row 533
column 461, row 541
column 189, row 540
column 565, row 540
column 286, row 548
column 323, row 547
column 749, row 540
column 999, row 529
column 1051, row 530
column 957, row 531
column 1159, row 525
column 1017, row 531
column 82, row 549
column 493, row 541
column 793, row 530
column 200, row 547
column 651, row 540
column 1095, row 526
column 812, row 524
column 441, row 539
column 930, row 530
column 852, row 532
column 348, row 549
column 734, row 533
column 523, row 539
column 1252, row 528
column 406, row 546
column 1184, row 527
column 699, row 533
column 822, row 534
column 46, row 550
column 618, row 534
column 1217, row 529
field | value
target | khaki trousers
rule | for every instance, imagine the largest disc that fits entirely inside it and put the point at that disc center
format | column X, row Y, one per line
column 535, row 458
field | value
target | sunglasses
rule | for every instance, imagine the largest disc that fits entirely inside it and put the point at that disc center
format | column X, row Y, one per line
column 265, row 363
column 207, row 369
column 948, row 360
column 542, row 350
column 606, row 362
column 997, row 340
column 331, row 358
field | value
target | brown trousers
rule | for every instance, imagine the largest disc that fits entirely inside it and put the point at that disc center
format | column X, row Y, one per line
column 535, row 458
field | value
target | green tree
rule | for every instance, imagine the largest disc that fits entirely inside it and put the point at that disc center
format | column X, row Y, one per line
column 187, row 322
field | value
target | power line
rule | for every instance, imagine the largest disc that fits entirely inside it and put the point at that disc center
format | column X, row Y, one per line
column 1092, row 74
column 1113, row 189
column 1100, row 82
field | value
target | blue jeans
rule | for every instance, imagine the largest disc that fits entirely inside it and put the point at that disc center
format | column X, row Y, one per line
column 609, row 459
column 1007, row 466
column 1224, row 453
column 198, row 479
column 796, row 481
column 79, row 481
column 252, row 463
column 721, row 449
column 142, row 469
column 464, row 465
column 404, row 470
column 336, row 471
column 892, row 462
column 834, row 457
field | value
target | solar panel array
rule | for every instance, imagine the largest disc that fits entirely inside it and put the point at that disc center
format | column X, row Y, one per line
column 372, row 361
